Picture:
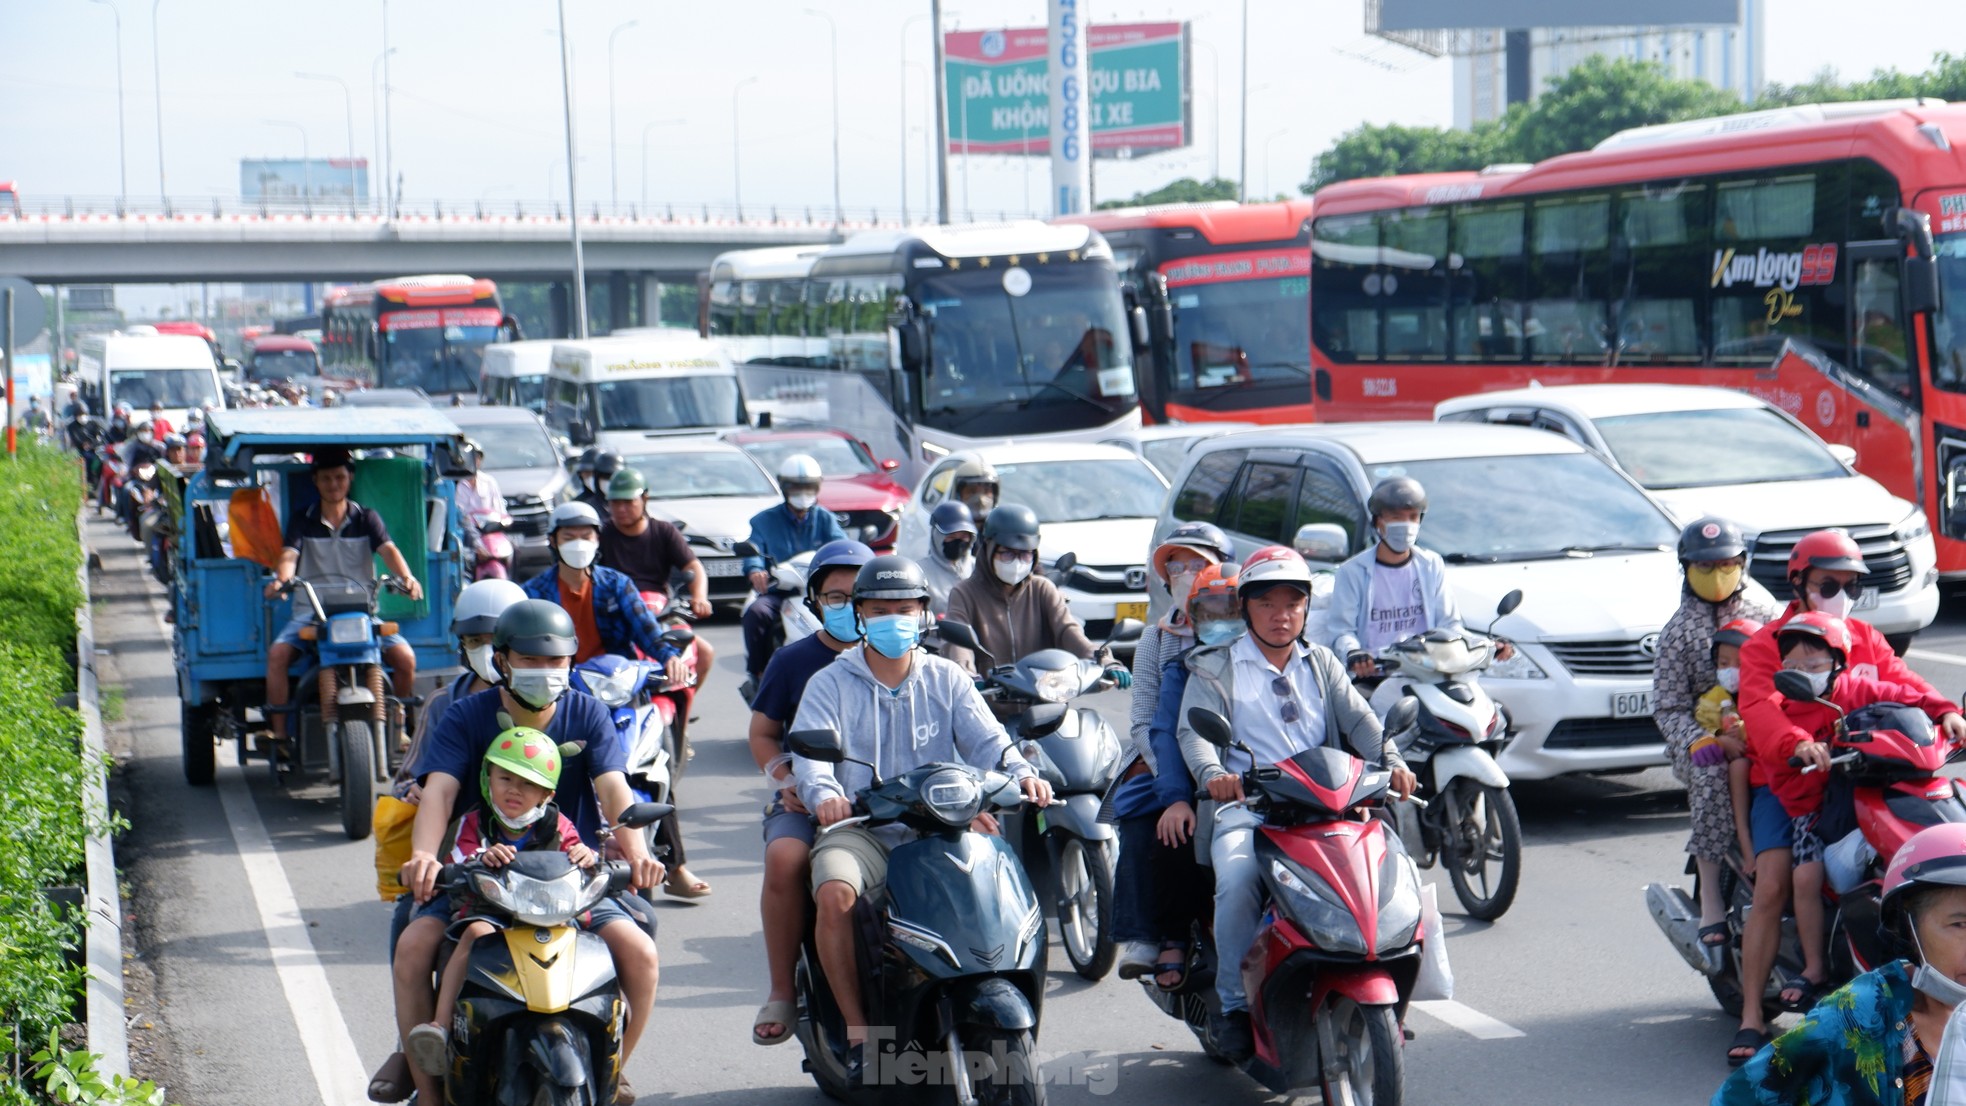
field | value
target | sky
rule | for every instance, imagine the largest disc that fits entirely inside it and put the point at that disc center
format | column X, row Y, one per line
column 476, row 110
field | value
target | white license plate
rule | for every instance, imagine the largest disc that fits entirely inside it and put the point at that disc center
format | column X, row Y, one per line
column 1869, row 599
column 723, row 566
column 1631, row 704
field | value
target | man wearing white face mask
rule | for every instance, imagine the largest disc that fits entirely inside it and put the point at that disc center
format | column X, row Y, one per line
column 608, row 613
column 798, row 525
column 1013, row 608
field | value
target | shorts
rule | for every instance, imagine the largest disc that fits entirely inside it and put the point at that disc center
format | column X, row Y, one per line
column 290, row 634
column 779, row 822
column 1808, row 847
column 851, row 855
column 1774, row 828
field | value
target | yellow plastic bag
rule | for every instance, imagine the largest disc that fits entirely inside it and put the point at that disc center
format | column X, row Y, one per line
column 254, row 526
column 393, row 819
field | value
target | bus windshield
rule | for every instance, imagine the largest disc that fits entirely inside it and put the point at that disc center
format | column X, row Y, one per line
column 1538, row 507
column 173, row 388
column 1949, row 325
column 1062, row 343
column 438, row 360
column 667, row 403
column 1240, row 332
column 1743, row 445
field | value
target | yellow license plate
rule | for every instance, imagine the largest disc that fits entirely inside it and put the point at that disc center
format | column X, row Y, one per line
column 1130, row 610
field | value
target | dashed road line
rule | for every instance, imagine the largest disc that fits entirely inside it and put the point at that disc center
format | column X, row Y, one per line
column 1936, row 658
column 1468, row 1020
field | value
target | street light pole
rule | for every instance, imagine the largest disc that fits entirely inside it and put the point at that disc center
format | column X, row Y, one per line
column 375, row 106
column 737, row 148
column 905, row 25
column 1215, row 98
column 645, row 154
column 941, row 117
column 573, row 177
column 1242, row 143
column 348, row 105
column 122, row 146
column 306, row 166
column 157, row 76
column 388, row 133
column 1268, row 192
column 833, row 38
column 614, row 177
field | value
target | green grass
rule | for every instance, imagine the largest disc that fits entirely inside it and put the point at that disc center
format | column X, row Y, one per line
column 110, row 699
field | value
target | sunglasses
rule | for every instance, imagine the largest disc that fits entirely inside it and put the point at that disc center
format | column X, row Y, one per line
column 1281, row 685
column 1828, row 588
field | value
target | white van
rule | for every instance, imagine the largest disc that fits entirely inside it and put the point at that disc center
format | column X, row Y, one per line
column 176, row 370
column 617, row 393
column 514, row 374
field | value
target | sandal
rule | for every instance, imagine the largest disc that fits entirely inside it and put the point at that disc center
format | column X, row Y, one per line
column 684, row 886
column 780, row 1012
column 1752, row 1040
column 624, row 1093
column 1806, row 990
column 1173, row 961
column 1715, row 935
column 391, row 1082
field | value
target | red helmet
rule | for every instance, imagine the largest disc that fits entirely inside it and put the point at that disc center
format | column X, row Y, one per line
column 1271, row 565
column 1830, row 630
column 1833, row 550
column 1737, row 632
column 1933, row 857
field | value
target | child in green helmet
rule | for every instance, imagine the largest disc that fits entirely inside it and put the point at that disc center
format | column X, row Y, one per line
column 521, row 769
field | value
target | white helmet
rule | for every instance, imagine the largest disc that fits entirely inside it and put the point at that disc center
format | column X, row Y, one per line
column 799, row 468
column 479, row 605
column 1270, row 566
column 573, row 513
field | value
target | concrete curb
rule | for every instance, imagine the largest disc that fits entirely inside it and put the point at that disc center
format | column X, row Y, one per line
column 109, row 1036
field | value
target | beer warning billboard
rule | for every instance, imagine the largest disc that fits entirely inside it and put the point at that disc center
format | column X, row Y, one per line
column 999, row 90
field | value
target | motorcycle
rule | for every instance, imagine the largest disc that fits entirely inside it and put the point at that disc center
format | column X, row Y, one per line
column 1328, row 984
column 1077, row 752
column 1449, row 731
column 1890, row 757
column 494, row 552
column 644, row 716
column 540, row 1017
column 953, row 947
column 788, row 583
column 109, row 477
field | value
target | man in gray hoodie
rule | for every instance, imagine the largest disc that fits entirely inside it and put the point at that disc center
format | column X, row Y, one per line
column 896, row 708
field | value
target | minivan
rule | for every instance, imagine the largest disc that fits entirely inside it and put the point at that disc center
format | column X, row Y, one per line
column 174, row 370
column 617, row 393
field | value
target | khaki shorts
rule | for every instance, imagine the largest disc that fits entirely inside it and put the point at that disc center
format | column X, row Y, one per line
column 853, row 856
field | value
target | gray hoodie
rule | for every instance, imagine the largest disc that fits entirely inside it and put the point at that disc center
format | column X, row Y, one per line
column 935, row 715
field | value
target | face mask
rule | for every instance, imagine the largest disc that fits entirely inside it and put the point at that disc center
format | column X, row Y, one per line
column 145, row 472
column 1012, row 572
column 1179, row 586
column 801, row 501
column 522, row 821
column 954, row 550
column 145, row 437
column 840, row 622
column 579, row 554
column 1818, row 682
column 537, row 688
column 1836, row 606
column 892, row 635
column 1729, row 678
column 1715, row 585
column 479, row 660
column 1947, row 990
column 1400, row 536
column 1218, row 632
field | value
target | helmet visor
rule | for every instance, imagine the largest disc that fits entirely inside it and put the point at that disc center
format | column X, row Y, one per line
column 1214, row 605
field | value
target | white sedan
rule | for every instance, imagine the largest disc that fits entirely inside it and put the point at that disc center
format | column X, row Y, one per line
column 1097, row 502
column 709, row 488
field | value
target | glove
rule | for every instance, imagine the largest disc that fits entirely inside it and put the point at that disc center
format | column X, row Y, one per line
column 1122, row 678
column 1707, row 753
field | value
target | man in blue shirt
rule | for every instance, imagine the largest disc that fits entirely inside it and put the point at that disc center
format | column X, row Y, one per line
column 608, row 613
column 780, row 533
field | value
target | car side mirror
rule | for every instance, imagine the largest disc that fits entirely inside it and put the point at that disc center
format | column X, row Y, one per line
column 1845, row 455
column 820, row 745
column 1321, row 541
column 1212, row 727
column 1794, row 685
column 1509, row 603
column 889, row 464
column 1138, row 317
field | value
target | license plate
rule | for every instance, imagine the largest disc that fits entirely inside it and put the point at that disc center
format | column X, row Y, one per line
column 1869, row 599
column 1631, row 704
column 1130, row 610
column 722, row 566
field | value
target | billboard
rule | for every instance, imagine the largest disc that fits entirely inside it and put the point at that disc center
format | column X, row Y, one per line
column 1000, row 97
column 1453, row 15
column 293, row 180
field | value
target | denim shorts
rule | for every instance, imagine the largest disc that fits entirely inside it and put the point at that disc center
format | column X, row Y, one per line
column 780, row 822
column 290, row 634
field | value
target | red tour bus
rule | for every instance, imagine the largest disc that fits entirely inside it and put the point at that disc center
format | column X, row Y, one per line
column 1812, row 256
column 1223, row 287
column 427, row 332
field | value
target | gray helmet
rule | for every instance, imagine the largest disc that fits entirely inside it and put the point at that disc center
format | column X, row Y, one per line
column 606, row 463
column 537, row 628
column 1399, row 493
column 573, row 513
column 890, row 577
column 1012, row 526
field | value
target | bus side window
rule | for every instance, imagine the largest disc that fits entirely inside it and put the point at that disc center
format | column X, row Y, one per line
column 1568, row 317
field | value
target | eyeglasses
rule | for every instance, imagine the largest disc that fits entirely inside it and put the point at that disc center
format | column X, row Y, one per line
column 1828, row 588
column 1016, row 554
column 835, row 599
column 1281, row 685
column 1178, row 566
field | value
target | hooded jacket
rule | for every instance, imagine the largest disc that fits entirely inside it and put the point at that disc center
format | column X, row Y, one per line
column 943, row 577
column 1014, row 622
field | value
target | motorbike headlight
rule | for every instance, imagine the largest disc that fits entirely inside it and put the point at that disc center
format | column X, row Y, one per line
column 550, row 902
column 1031, row 930
column 348, row 631
column 919, row 937
column 1399, row 902
column 615, row 689
column 1912, row 528
column 1326, row 923
column 953, row 796
column 1517, row 667
column 1057, row 685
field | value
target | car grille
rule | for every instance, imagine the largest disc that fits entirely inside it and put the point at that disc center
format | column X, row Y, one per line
column 531, row 523
column 1605, row 658
column 1887, row 559
column 872, row 526
column 1108, row 579
column 1602, row 733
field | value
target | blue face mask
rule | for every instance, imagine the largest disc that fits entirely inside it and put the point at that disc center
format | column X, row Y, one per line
column 1218, row 631
column 840, row 622
column 892, row 635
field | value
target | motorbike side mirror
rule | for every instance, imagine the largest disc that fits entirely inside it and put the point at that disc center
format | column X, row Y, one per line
column 959, row 633
column 644, row 814
column 1212, row 727
column 683, row 576
column 1064, row 565
column 491, row 526
column 679, row 636
column 1509, row 603
column 820, row 745
column 1040, row 719
column 745, row 549
column 1127, row 629
column 1794, row 685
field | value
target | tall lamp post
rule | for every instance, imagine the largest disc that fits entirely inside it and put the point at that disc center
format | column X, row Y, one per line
column 348, row 107
column 737, row 148
column 614, row 177
column 157, row 76
column 375, row 102
column 833, row 39
column 1268, row 192
column 122, row 146
column 388, row 132
column 306, row 163
column 573, row 177
column 1215, row 98
column 1242, row 113
column 645, row 154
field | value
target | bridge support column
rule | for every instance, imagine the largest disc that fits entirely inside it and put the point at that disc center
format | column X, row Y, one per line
column 620, row 304
column 559, row 309
column 651, row 300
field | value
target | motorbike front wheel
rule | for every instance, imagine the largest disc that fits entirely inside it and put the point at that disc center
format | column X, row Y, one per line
column 1014, row 1078
column 1370, row 1064
column 1483, row 850
column 357, row 779
column 1085, row 907
column 200, row 754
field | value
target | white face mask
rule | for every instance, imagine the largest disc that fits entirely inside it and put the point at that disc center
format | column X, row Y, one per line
column 1836, row 606
column 538, row 688
column 1947, row 990
column 579, row 554
column 523, row 821
column 480, row 662
column 1400, row 536
column 801, row 501
column 1729, row 678
column 1011, row 572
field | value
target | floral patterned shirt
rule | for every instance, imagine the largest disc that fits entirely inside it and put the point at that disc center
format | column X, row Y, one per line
column 1848, row 1051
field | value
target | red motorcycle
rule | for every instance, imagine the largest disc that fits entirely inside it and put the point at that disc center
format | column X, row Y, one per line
column 1337, row 952
column 673, row 703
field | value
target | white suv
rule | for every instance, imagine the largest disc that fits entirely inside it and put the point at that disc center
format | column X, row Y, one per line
column 1508, row 508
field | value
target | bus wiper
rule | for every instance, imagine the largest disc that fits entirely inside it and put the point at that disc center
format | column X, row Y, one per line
column 1080, row 396
column 1291, row 365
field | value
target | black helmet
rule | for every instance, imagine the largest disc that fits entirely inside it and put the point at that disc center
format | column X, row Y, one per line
column 606, row 463
column 951, row 516
column 537, row 628
column 1012, row 526
column 890, row 577
column 585, row 464
column 1398, row 493
column 1711, row 539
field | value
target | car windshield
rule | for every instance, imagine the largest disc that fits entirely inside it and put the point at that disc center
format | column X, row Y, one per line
column 701, row 475
column 1743, row 445
column 1240, row 332
column 836, row 456
column 529, row 392
column 668, row 403
column 282, row 364
column 1538, row 507
column 1079, row 491
column 1166, row 454
column 512, row 445
column 171, row 387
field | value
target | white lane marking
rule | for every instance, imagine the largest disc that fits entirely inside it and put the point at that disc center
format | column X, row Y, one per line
column 338, row 1070
column 1468, row 1020
column 1940, row 658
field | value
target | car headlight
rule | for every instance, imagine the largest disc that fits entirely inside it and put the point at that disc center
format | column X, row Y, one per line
column 1326, row 923
column 1517, row 667
column 1057, row 685
column 348, row 631
column 1912, row 528
column 953, row 796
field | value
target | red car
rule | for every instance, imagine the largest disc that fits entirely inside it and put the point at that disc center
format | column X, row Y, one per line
column 856, row 487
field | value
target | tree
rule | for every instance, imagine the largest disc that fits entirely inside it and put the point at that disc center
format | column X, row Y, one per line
column 1379, row 151
column 1601, row 96
column 1187, row 190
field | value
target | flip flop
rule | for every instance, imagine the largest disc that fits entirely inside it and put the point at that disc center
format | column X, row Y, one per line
column 1718, row 929
column 694, row 889
column 1807, row 992
column 392, row 1080
column 783, row 1012
column 1754, row 1040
